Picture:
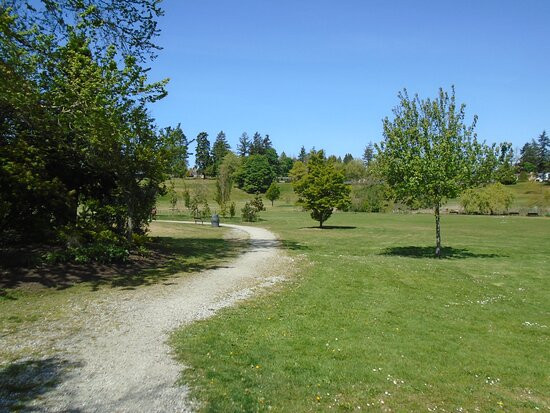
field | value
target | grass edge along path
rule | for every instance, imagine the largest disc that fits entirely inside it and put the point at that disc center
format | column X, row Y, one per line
column 373, row 322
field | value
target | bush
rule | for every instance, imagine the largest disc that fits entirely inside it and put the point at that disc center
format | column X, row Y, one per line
column 232, row 209
column 252, row 208
column 491, row 199
column 369, row 198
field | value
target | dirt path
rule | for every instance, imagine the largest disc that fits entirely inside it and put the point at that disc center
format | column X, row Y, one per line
column 123, row 364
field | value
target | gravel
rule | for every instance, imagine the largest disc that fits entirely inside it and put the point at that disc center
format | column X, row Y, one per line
column 120, row 361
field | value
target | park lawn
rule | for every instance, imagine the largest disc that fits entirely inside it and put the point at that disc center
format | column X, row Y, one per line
column 372, row 321
column 52, row 301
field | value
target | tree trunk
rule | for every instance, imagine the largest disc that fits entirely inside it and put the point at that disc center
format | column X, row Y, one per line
column 272, row 202
column 321, row 223
column 437, row 233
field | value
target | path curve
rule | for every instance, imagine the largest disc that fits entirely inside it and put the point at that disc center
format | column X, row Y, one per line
column 128, row 366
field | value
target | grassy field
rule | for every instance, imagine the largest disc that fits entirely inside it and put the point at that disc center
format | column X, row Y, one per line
column 49, row 297
column 528, row 195
column 374, row 322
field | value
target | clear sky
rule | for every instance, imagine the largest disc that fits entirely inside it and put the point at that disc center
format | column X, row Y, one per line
column 324, row 73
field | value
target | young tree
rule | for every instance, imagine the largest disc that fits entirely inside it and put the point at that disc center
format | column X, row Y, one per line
column 243, row 148
column 273, row 192
column 322, row 188
column 224, row 183
column 178, row 144
column 202, row 156
column 219, row 150
column 428, row 154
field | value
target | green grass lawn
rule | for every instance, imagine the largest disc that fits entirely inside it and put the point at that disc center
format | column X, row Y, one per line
column 372, row 321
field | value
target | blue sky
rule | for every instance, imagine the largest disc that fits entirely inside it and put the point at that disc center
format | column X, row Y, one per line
column 324, row 73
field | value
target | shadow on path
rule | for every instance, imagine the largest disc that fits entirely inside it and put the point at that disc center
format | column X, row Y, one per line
column 429, row 252
column 23, row 381
column 165, row 257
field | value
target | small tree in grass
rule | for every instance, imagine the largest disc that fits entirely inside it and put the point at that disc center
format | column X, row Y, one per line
column 322, row 188
column 429, row 155
column 273, row 192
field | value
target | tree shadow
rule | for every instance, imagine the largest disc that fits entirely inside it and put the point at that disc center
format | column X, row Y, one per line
column 165, row 257
column 330, row 227
column 429, row 252
column 294, row 246
column 23, row 381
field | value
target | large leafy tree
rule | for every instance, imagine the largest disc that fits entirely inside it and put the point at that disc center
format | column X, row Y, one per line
column 429, row 154
column 322, row 189
column 255, row 174
column 75, row 134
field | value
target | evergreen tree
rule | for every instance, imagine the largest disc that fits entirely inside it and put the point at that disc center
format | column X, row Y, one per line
column 257, row 147
column 302, row 157
column 543, row 144
column 243, row 148
column 348, row 157
column 529, row 156
column 219, row 150
column 368, row 154
column 202, row 156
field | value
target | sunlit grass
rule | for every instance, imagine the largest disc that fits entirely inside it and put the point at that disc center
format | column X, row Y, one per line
column 373, row 321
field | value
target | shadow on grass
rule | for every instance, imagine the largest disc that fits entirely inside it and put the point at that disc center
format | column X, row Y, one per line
column 330, row 227
column 294, row 246
column 23, row 381
column 166, row 256
column 429, row 252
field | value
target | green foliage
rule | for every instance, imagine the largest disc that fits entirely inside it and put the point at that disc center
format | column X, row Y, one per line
column 232, row 209
column 491, row 199
column 369, row 198
column 322, row 188
column 243, row 148
column 273, row 192
column 429, row 155
column 368, row 154
column 298, row 171
column 219, row 150
column 203, row 160
column 255, row 174
column 250, row 211
column 354, row 170
column 285, row 164
column 75, row 132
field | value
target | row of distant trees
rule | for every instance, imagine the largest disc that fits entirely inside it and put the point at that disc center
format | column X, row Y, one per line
column 535, row 155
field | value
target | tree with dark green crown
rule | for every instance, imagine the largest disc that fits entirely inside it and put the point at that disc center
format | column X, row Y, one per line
column 255, row 174
column 203, row 158
column 220, row 148
column 257, row 145
column 322, row 188
column 348, row 157
column 302, row 156
column 243, row 148
column 543, row 144
column 368, row 154
column 429, row 154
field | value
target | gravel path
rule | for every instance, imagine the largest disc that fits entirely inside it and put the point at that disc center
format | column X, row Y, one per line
column 122, row 362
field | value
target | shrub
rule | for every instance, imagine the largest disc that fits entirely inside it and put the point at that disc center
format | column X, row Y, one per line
column 491, row 199
column 232, row 209
column 249, row 213
column 369, row 198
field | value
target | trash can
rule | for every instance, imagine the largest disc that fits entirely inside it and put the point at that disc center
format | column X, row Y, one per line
column 215, row 220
